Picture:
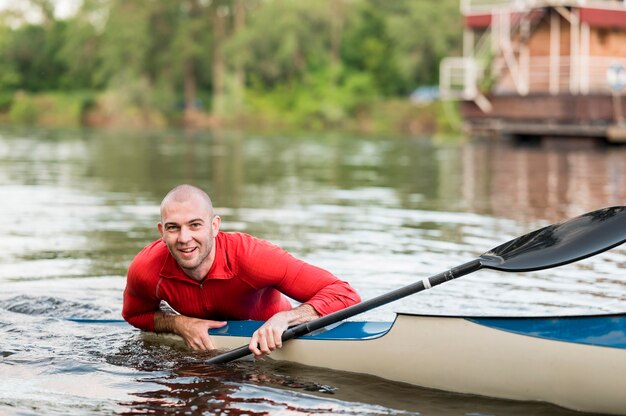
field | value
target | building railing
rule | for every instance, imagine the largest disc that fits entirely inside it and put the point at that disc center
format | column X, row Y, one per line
column 461, row 78
column 593, row 77
column 476, row 6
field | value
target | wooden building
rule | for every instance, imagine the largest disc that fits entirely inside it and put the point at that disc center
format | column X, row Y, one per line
column 541, row 68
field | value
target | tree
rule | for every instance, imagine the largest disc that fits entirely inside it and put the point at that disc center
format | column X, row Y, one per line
column 125, row 42
column 424, row 34
column 10, row 77
column 283, row 40
column 83, row 39
column 368, row 48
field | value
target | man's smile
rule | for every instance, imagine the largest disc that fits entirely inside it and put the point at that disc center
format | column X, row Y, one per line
column 188, row 250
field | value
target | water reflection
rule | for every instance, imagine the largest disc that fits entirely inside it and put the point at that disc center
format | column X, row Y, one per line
column 534, row 182
column 494, row 178
column 184, row 383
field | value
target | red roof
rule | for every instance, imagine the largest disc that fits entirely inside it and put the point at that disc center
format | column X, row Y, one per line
column 603, row 17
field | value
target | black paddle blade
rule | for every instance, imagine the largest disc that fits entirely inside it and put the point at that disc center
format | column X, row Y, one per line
column 562, row 243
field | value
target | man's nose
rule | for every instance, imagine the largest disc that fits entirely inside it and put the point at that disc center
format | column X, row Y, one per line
column 184, row 235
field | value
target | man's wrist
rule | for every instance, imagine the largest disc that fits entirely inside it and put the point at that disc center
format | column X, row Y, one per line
column 166, row 323
column 301, row 314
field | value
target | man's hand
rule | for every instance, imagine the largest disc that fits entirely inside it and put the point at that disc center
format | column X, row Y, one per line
column 269, row 336
column 194, row 331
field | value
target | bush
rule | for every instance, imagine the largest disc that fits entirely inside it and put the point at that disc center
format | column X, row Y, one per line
column 6, row 100
column 23, row 109
column 324, row 99
column 49, row 109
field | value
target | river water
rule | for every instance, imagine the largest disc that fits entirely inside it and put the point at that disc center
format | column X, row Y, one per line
column 378, row 212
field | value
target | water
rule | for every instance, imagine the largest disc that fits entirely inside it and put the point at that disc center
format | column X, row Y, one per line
column 378, row 212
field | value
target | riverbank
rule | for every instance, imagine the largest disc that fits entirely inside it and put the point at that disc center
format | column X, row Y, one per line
column 115, row 110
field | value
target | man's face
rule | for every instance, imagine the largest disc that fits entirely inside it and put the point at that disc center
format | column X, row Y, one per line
column 188, row 229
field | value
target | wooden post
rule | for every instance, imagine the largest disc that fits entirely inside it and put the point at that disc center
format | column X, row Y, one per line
column 584, row 57
column 617, row 108
column 468, row 43
column 524, row 54
column 555, row 53
column 574, row 81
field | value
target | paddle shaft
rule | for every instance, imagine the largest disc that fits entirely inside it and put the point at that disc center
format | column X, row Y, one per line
column 550, row 246
column 308, row 327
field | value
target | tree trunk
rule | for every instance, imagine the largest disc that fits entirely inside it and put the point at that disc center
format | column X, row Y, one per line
column 336, row 20
column 336, row 27
column 190, row 87
column 239, row 84
column 46, row 7
column 218, row 67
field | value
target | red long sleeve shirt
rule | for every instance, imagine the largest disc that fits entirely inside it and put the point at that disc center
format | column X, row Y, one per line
column 249, row 279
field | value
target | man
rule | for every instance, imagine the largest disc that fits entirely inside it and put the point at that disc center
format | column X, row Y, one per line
column 209, row 276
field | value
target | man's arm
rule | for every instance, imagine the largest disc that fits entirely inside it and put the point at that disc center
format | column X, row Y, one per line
column 269, row 336
column 194, row 331
column 319, row 291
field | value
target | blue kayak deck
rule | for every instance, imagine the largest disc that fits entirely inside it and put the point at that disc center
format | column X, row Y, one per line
column 599, row 330
column 341, row 331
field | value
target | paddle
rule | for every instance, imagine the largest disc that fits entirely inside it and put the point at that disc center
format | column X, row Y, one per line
column 551, row 246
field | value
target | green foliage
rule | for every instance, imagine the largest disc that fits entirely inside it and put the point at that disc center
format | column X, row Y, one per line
column 6, row 100
column 321, row 99
column 316, row 63
column 125, row 41
column 31, row 54
column 23, row 110
column 9, row 74
column 369, row 48
column 423, row 34
column 283, row 41
column 80, row 52
column 49, row 109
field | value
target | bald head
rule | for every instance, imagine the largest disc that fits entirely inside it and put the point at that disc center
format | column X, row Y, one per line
column 189, row 228
column 187, row 193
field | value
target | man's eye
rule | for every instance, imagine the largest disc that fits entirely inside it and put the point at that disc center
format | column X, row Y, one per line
column 196, row 225
column 171, row 228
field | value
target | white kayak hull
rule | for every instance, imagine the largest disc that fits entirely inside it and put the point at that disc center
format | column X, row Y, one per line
column 460, row 355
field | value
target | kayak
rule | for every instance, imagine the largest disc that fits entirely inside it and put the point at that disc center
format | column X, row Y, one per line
column 577, row 362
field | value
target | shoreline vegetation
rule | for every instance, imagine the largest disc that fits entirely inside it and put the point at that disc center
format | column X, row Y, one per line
column 104, row 110
column 251, row 64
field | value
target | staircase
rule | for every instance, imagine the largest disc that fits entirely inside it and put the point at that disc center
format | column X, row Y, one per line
column 499, row 50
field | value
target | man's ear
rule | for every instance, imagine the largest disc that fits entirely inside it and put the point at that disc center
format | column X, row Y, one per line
column 215, row 224
column 160, row 228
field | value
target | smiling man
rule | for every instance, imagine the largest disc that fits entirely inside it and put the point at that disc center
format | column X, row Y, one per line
column 209, row 276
